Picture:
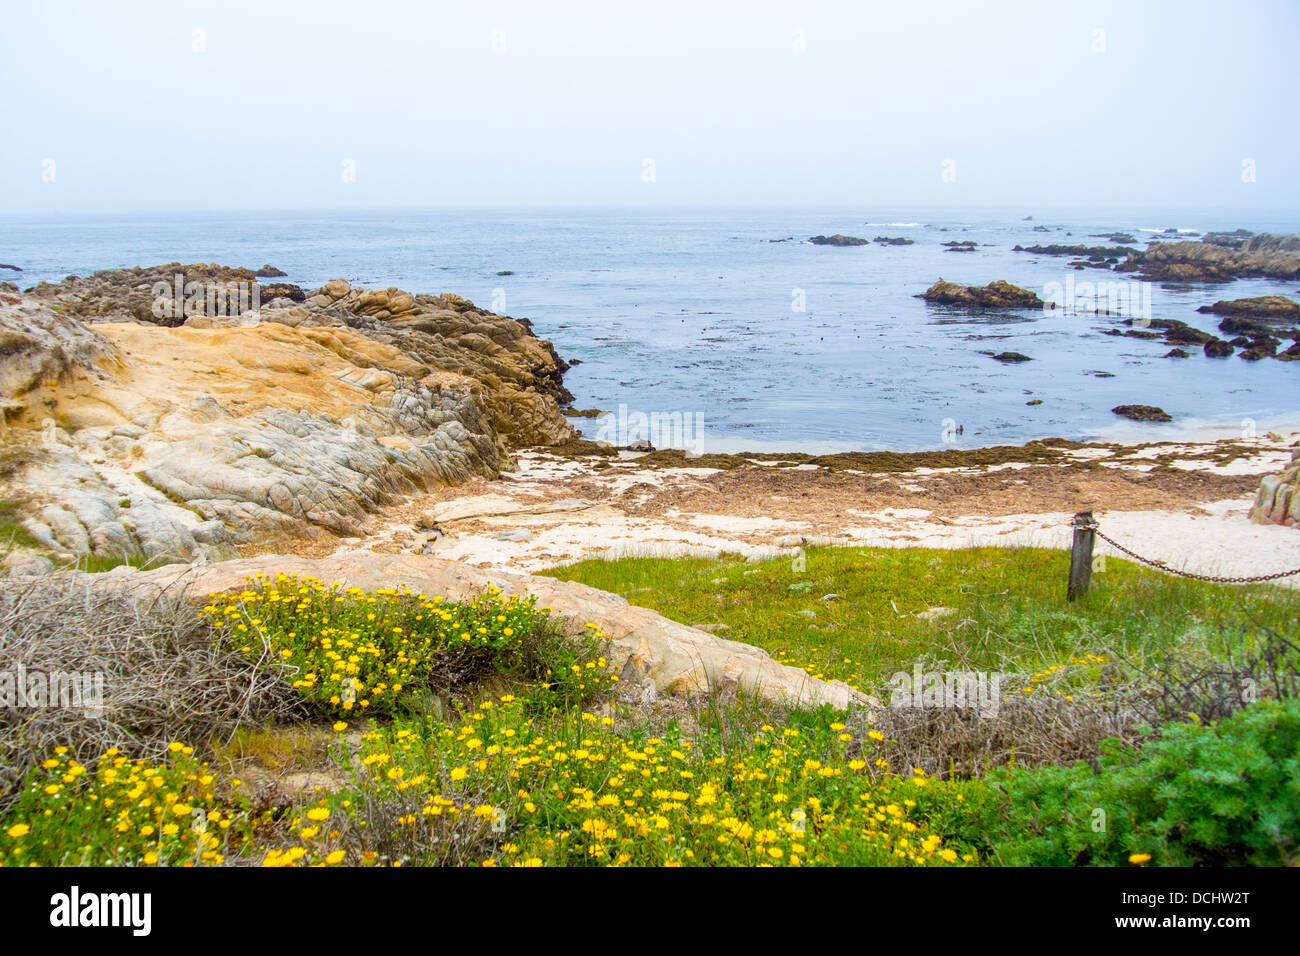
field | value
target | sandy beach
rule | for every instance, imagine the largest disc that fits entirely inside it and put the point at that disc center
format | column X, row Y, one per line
column 1186, row 504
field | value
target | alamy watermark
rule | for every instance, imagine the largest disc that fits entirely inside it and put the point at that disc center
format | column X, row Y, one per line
column 181, row 299
column 1130, row 299
column 683, row 430
column 980, row 690
column 22, row 689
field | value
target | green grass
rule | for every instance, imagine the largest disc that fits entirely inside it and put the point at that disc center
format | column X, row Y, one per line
column 97, row 564
column 1007, row 605
column 12, row 533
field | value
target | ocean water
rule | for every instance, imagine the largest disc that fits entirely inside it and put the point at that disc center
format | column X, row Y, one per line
column 761, row 344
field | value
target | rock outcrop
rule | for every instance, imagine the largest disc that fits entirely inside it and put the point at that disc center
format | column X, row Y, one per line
column 1179, row 333
column 1094, row 253
column 520, row 377
column 837, row 240
column 999, row 294
column 1259, row 307
column 1265, row 256
column 137, row 294
column 1142, row 413
column 130, row 436
column 648, row 651
column 1278, row 500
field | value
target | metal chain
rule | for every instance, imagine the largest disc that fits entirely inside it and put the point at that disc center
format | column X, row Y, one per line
column 1161, row 566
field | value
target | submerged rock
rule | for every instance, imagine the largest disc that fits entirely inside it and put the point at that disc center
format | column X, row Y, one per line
column 1143, row 413
column 1180, row 333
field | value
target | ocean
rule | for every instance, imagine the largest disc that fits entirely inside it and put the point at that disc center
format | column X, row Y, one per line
column 763, row 344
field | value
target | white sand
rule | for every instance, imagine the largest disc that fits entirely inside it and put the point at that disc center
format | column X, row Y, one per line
column 1217, row 539
column 527, row 521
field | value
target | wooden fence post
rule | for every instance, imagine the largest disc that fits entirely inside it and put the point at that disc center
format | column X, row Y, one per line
column 1081, row 556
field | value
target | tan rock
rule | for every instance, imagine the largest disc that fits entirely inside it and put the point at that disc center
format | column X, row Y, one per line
column 1278, row 499
column 153, row 431
column 175, row 443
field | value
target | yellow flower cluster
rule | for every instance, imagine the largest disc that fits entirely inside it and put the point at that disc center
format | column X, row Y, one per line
column 577, row 792
column 1062, row 678
column 355, row 651
column 121, row 812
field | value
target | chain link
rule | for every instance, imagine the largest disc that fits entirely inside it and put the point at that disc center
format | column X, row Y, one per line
column 1161, row 566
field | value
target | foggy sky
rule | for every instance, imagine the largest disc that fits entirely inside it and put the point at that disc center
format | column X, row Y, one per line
column 238, row 105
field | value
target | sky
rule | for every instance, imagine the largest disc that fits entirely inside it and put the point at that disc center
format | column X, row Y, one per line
column 230, row 106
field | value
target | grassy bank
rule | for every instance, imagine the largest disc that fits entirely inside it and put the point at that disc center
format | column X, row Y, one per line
column 427, row 732
column 861, row 614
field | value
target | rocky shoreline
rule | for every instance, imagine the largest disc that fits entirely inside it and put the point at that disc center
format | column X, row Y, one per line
column 143, row 425
column 565, row 504
column 146, row 433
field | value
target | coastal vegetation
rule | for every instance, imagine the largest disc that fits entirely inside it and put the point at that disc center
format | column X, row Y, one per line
column 426, row 731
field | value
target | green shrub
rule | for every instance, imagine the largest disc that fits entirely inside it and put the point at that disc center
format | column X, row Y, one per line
column 1223, row 794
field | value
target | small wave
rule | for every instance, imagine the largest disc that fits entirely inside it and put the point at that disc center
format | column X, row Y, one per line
column 903, row 225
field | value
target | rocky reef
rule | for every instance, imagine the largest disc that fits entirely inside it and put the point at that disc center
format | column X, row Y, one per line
column 1262, row 256
column 1255, row 339
column 837, row 240
column 1000, row 294
column 1259, row 307
column 145, row 434
column 1082, row 251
